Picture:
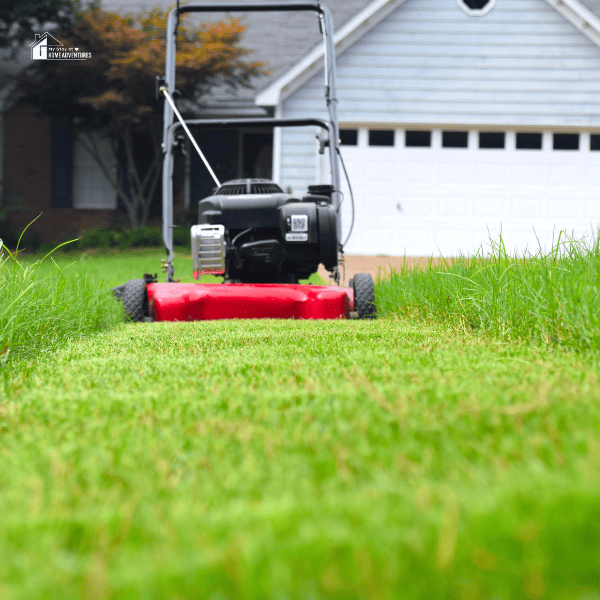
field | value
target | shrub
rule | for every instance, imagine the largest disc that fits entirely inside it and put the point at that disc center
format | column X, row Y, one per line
column 143, row 237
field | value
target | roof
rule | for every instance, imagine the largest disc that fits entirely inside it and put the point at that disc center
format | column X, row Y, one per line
column 278, row 39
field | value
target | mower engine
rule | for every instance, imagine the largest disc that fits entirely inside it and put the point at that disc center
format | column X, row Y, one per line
column 251, row 231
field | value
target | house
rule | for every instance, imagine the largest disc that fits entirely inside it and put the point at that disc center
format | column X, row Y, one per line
column 459, row 119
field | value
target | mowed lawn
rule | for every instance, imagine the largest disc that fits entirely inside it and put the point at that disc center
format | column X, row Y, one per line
column 399, row 458
column 269, row 459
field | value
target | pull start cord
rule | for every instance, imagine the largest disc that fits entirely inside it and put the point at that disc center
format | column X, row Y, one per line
column 164, row 90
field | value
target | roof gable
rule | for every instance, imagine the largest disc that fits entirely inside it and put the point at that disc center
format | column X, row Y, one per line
column 580, row 16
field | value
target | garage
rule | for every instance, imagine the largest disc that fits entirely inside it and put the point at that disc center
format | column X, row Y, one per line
column 423, row 192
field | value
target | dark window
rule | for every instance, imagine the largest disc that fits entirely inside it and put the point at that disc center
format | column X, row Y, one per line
column 349, row 137
column 491, row 139
column 529, row 141
column 381, row 137
column 61, row 190
column 476, row 4
column 595, row 141
column 566, row 141
column 455, row 139
column 418, row 138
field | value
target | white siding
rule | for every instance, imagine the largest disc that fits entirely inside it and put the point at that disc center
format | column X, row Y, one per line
column 429, row 63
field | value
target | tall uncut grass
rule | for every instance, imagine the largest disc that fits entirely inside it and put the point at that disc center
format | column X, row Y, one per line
column 42, row 308
column 550, row 297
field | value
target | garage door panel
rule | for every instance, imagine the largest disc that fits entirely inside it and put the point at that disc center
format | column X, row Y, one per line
column 382, row 238
column 528, row 206
column 416, row 242
column 416, row 205
column 566, row 175
column 490, row 203
column 419, row 173
column 491, row 174
column 592, row 211
column 455, row 172
column 451, row 242
column 528, row 174
column 567, row 207
column 592, row 174
column 453, row 206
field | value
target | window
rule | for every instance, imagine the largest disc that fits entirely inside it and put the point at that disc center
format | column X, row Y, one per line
column 491, row 139
column 529, row 141
column 476, row 8
column 349, row 137
column 595, row 142
column 91, row 188
column 381, row 137
column 421, row 139
column 455, row 139
column 566, row 141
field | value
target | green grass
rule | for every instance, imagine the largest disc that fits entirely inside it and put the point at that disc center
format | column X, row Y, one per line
column 551, row 298
column 270, row 459
column 42, row 306
column 446, row 450
column 115, row 267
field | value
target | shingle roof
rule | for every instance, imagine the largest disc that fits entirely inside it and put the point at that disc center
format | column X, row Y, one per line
column 278, row 39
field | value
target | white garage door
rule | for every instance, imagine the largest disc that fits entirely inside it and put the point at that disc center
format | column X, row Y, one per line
column 434, row 192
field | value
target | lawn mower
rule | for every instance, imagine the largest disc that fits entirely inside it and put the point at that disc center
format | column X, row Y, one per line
column 260, row 239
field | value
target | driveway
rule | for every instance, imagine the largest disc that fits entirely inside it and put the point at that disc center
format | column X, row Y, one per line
column 375, row 265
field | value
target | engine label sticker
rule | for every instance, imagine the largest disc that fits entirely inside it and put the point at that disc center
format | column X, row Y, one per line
column 296, row 237
column 299, row 222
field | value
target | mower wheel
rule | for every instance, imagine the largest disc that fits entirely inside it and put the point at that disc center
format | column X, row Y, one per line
column 364, row 296
column 135, row 300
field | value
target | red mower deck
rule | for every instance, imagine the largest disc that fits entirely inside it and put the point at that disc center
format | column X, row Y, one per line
column 205, row 301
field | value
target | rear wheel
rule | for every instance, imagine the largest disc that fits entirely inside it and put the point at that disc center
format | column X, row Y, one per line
column 135, row 300
column 364, row 296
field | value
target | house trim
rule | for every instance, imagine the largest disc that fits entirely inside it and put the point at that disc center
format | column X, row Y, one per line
column 480, row 12
column 578, row 15
column 353, row 30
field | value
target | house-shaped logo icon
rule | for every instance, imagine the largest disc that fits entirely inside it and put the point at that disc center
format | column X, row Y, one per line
column 39, row 48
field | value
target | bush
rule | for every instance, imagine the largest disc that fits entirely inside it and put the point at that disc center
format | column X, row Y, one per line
column 143, row 237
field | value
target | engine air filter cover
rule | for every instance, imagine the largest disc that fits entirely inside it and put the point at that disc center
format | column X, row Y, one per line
column 208, row 249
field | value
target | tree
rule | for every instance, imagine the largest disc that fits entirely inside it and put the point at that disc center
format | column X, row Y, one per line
column 20, row 20
column 114, row 91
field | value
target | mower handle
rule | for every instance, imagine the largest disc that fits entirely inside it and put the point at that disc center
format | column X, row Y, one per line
column 326, row 25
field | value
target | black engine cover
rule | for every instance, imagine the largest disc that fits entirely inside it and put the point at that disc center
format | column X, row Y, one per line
column 243, row 211
column 272, row 236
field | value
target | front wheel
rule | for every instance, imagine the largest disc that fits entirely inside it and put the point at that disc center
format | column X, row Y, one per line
column 364, row 296
column 135, row 301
